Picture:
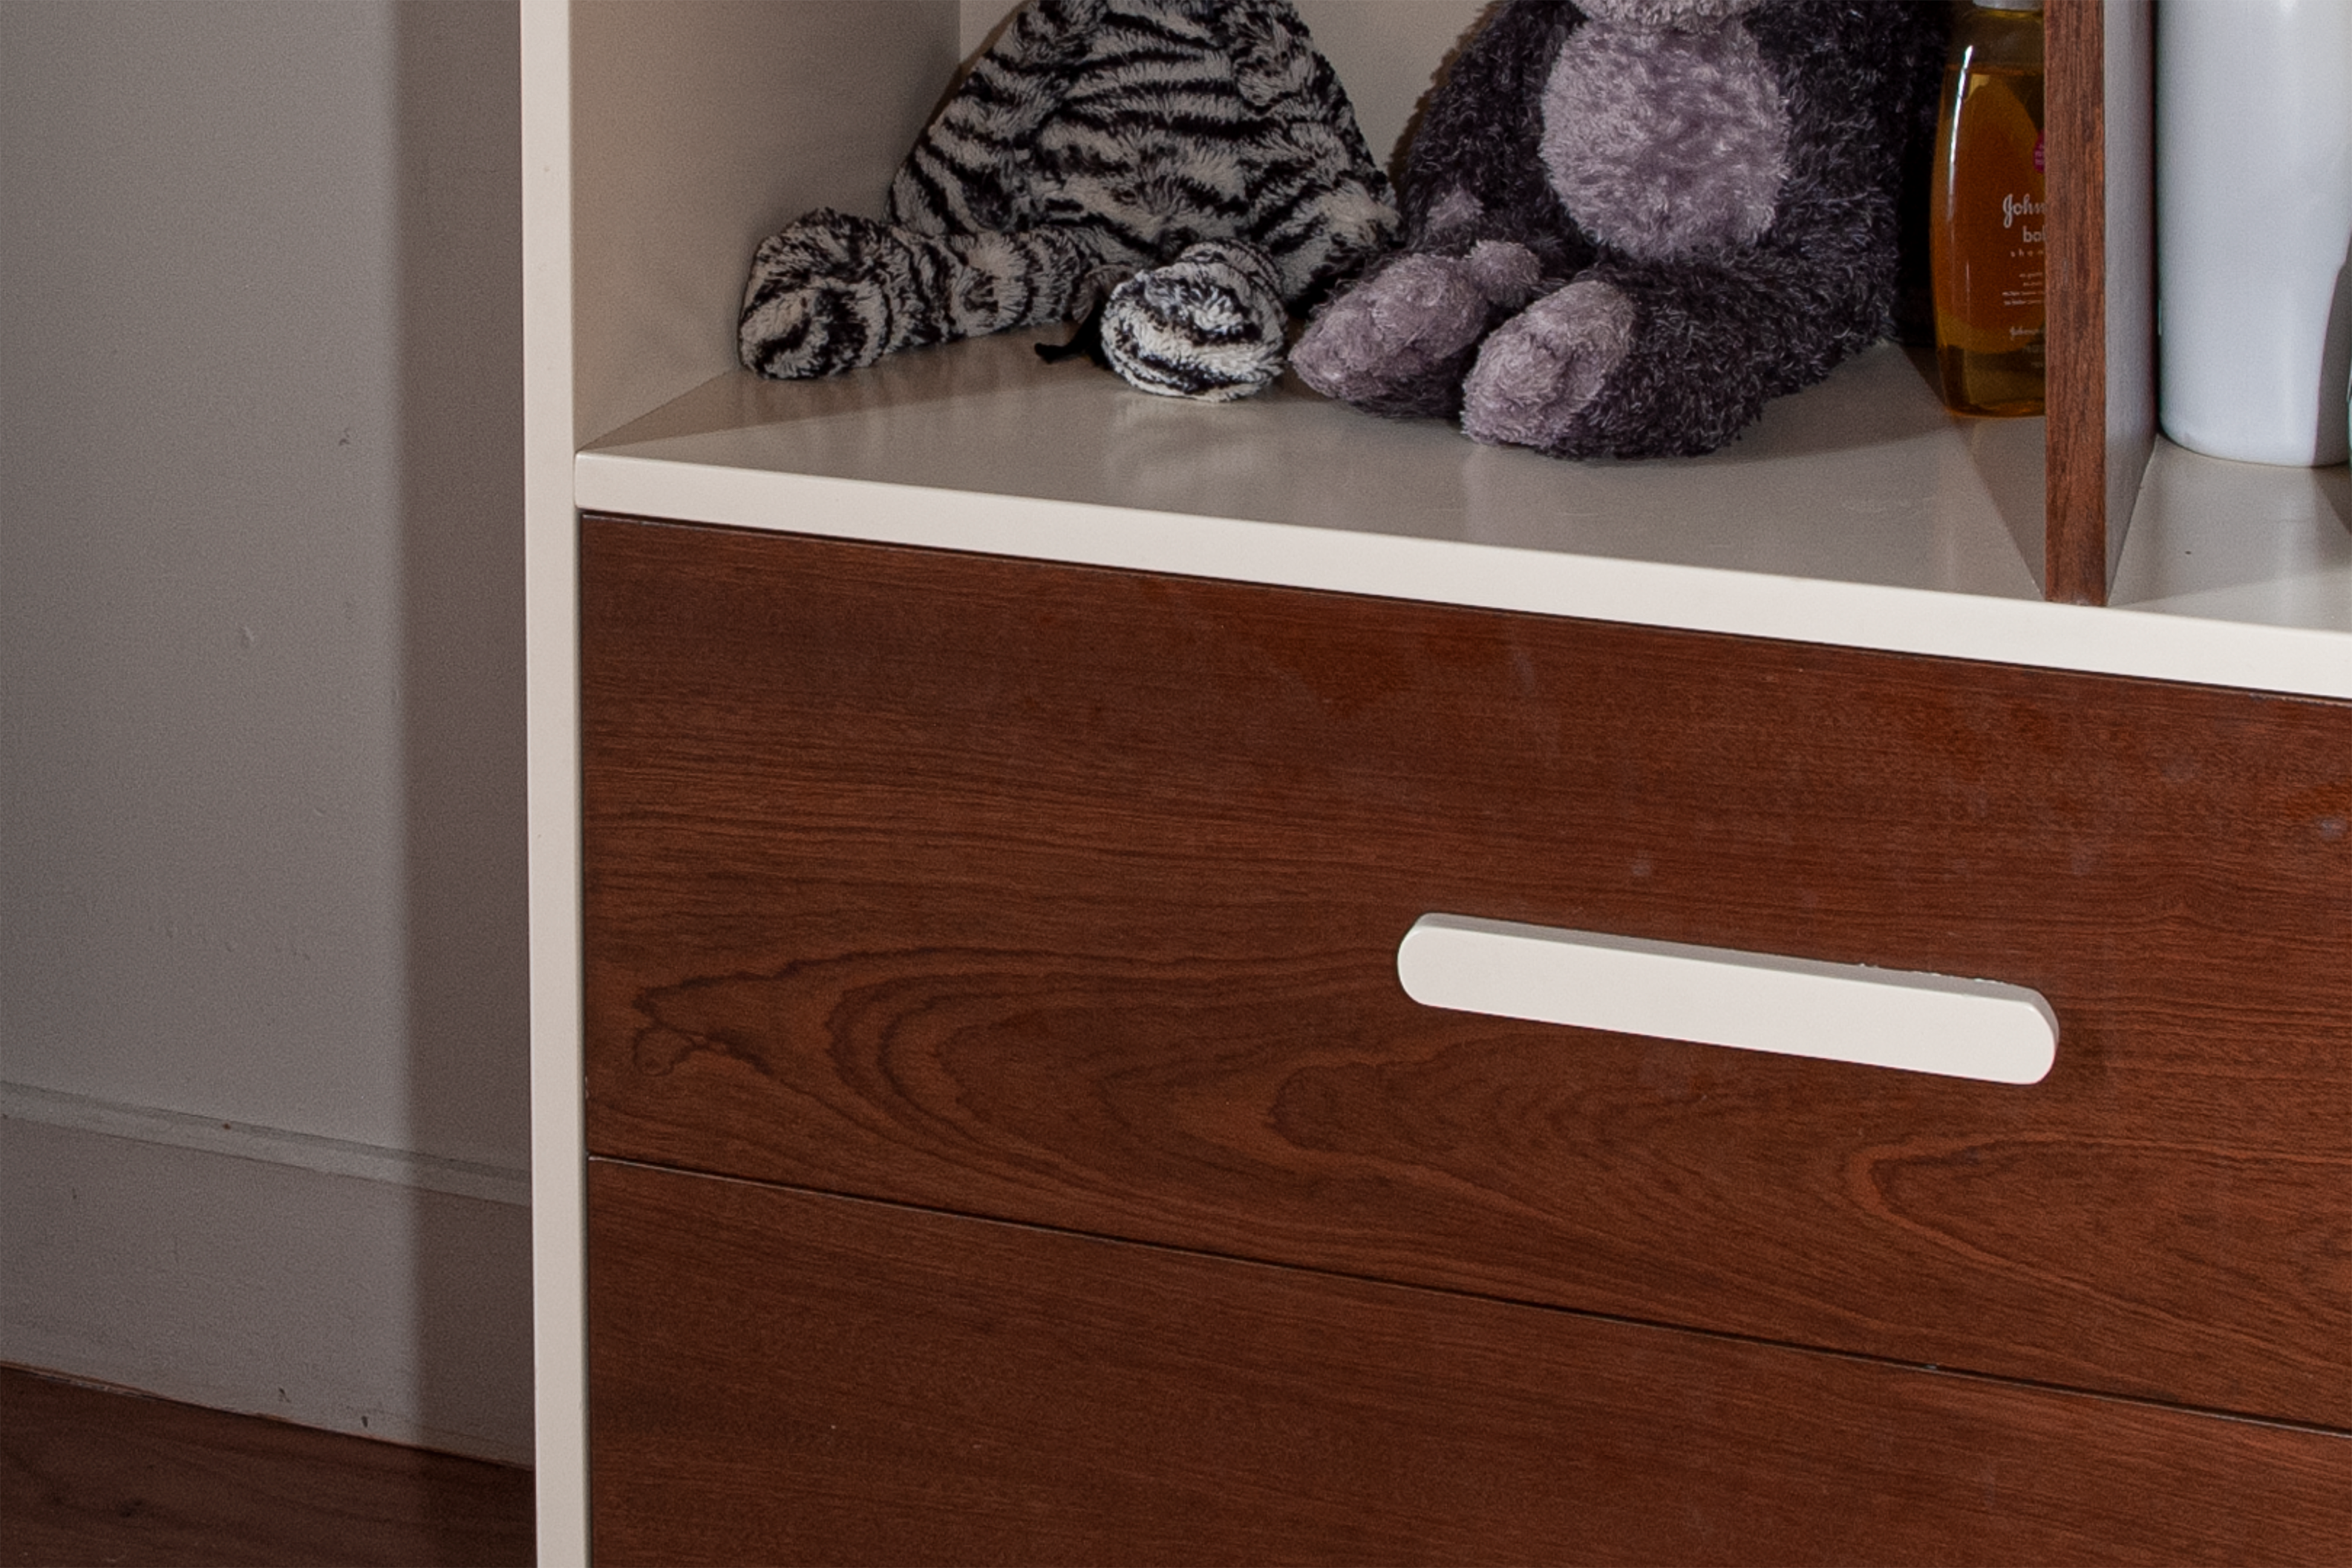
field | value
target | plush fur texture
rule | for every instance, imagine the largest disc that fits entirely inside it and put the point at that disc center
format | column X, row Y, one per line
column 1192, row 166
column 1210, row 324
column 1703, row 120
column 1706, row 190
column 1675, row 14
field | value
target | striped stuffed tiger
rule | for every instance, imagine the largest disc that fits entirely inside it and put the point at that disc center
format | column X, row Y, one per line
column 1189, row 170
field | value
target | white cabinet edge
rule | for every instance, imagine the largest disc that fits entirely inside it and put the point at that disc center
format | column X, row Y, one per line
column 559, row 1209
column 2288, row 660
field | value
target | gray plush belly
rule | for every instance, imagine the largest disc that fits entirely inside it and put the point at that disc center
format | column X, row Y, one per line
column 1665, row 145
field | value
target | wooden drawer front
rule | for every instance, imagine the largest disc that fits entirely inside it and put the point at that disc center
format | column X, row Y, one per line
column 780, row 1377
column 1072, row 896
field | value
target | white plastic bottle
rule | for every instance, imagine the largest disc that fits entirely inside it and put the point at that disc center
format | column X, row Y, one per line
column 2253, row 177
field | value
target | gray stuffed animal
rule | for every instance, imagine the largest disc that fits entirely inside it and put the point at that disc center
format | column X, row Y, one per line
column 1632, row 222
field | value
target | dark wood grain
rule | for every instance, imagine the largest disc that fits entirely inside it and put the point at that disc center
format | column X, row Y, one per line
column 2075, row 542
column 1072, row 896
column 2101, row 423
column 785, row 1377
column 92, row 1475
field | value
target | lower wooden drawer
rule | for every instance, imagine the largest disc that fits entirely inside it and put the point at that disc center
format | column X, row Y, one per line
column 1073, row 897
column 779, row 1376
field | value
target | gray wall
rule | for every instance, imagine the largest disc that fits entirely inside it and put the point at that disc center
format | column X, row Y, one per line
column 261, row 823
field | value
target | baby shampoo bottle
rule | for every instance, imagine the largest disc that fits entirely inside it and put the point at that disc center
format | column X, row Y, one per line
column 1988, row 244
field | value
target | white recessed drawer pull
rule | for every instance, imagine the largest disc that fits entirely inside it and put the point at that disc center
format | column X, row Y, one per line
column 1720, row 997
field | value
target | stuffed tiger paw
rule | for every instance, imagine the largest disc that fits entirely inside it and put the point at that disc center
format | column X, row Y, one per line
column 1191, row 170
column 825, row 292
column 1210, row 324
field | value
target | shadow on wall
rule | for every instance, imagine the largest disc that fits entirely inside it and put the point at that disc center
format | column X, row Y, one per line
column 459, row 299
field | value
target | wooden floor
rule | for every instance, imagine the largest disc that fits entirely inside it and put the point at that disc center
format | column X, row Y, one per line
column 91, row 1477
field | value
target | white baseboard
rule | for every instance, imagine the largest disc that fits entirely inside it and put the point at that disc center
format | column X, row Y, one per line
column 368, row 1291
column 249, row 1141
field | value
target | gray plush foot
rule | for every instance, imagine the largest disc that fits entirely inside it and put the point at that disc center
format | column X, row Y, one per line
column 1542, row 368
column 1394, row 330
column 1208, row 325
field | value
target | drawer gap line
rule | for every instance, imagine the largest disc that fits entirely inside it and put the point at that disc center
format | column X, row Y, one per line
column 1454, row 1292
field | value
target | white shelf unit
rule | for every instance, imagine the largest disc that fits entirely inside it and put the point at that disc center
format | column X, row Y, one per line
column 664, row 138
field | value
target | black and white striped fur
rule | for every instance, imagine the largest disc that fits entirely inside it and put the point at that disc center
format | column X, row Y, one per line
column 1195, row 160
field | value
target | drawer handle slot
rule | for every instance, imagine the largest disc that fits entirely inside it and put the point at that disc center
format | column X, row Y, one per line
column 1721, row 996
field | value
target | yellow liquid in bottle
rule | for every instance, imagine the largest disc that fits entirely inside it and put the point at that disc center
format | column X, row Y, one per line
column 1988, row 248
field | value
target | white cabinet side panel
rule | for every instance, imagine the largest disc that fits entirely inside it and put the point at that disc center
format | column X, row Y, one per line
column 558, row 1214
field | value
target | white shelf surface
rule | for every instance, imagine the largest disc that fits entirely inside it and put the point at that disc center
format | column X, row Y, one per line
column 1858, row 514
